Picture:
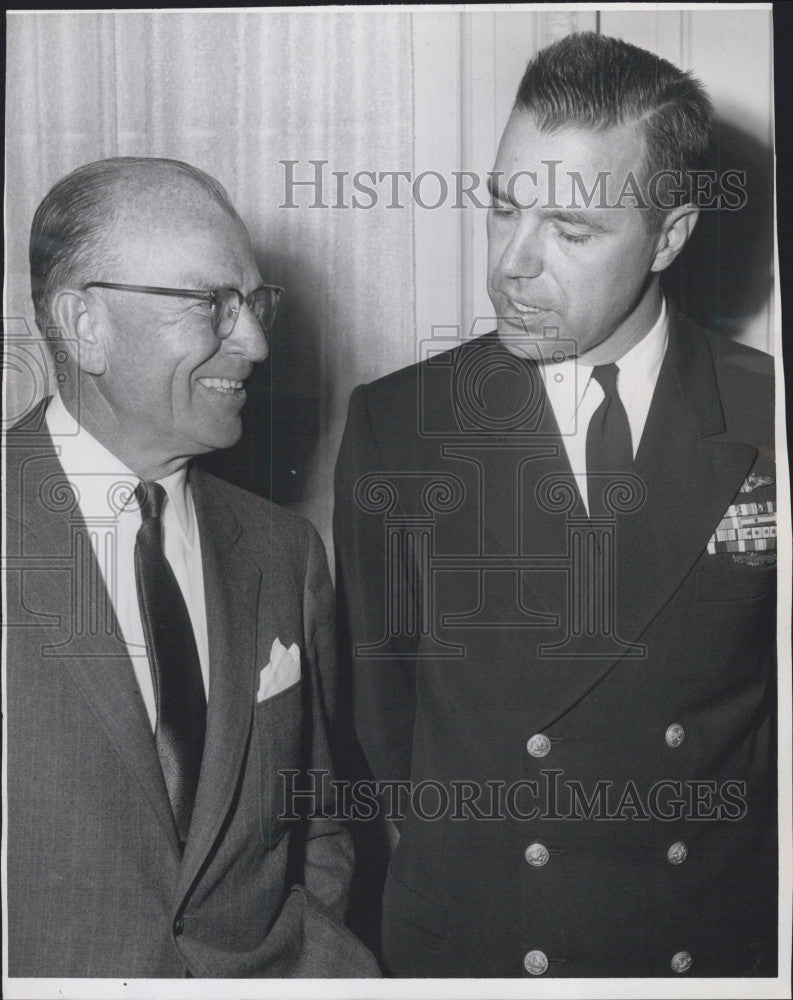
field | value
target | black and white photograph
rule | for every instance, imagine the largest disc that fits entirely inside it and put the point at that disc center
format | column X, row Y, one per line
column 396, row 552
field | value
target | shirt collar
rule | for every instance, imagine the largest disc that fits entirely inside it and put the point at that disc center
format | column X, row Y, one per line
column 644, row 359
column 104, row 485
column 181, row 499
column 641, row 362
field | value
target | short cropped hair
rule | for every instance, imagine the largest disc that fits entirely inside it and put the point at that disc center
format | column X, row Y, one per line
column 69, row 236
column 593, row 82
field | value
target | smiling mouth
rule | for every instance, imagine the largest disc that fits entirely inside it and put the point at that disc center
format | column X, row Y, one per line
column 525, row 310
column 228, row 386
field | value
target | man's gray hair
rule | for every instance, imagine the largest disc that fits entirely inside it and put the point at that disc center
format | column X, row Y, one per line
column 69, row 236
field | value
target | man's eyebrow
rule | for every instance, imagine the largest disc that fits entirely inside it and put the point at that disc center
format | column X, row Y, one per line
column 570, row 216
column 589, row 220
column 198, row 280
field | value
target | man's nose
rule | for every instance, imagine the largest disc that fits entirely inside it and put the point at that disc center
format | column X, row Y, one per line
column 248, row 337
column 523, row 255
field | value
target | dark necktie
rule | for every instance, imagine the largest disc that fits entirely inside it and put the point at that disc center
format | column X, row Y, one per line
column 609, row 451
column 173, row 657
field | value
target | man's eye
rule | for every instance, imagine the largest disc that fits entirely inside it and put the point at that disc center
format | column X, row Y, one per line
column 577, row 239
column 501, row 209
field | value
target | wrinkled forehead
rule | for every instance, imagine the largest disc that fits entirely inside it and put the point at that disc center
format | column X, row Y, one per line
column 178, row 234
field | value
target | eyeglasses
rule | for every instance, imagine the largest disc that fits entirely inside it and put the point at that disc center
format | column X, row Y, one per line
column 226, row 302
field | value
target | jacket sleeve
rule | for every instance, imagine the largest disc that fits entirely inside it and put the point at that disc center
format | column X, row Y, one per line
column 384, row 673
column 329, row 850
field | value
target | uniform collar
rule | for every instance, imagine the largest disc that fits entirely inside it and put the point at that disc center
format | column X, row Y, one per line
column 640, row 364
column 643, row 361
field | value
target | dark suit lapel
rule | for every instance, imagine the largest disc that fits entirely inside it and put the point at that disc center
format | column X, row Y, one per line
column 231, row 590
column 95, row 657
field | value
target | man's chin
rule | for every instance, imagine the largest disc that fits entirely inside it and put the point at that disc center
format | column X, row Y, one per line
column 219, row 436
column 536, row 345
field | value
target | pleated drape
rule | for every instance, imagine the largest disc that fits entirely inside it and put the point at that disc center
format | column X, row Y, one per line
column 235, row 93
column 354, row 90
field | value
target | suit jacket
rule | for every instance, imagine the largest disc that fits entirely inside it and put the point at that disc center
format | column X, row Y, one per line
column 96, row 882
column 616, row 675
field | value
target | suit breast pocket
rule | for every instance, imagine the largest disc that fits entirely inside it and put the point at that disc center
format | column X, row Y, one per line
column 278, row 725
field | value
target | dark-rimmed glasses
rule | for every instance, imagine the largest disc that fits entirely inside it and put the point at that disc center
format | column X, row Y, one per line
column 226, row 302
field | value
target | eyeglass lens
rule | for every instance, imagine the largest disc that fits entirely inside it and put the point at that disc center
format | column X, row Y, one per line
column 228, row 302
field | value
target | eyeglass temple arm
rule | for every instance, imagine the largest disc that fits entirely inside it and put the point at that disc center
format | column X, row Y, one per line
column 191, row 293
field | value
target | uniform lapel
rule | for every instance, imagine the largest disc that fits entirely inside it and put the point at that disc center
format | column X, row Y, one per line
column 231, row 590
column 516, row 518
column 691, row 472
column 512, row 446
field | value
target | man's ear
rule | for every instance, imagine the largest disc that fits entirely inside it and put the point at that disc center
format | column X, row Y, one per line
column 677, row 227
column 81, row 331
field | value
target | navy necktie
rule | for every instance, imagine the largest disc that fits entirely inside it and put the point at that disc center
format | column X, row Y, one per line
column 174, row 662
column 609, row 451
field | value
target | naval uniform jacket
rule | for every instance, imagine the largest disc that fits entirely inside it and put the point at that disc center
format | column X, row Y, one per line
column 97, row 885
column 615, row 679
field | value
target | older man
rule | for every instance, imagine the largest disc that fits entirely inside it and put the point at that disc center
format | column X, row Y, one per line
column 170, row 637
column 556, row 551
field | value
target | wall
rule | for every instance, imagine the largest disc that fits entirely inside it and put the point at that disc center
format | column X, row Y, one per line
column 384, row 91
column 726, row 271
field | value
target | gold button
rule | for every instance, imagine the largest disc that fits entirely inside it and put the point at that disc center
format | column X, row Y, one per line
column 675, row 735
column 539, row 745
column 536, row 962
column 537, row 855
column 681, row 962
column 677, row 853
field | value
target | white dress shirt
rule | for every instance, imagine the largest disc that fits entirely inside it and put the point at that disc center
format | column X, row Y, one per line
column 104, row 487
column 575, row 395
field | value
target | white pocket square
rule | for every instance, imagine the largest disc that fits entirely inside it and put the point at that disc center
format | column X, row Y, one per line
column 281, row 672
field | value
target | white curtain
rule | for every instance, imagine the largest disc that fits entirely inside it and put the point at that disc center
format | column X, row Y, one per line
column 235, row 93
column 365, row 90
